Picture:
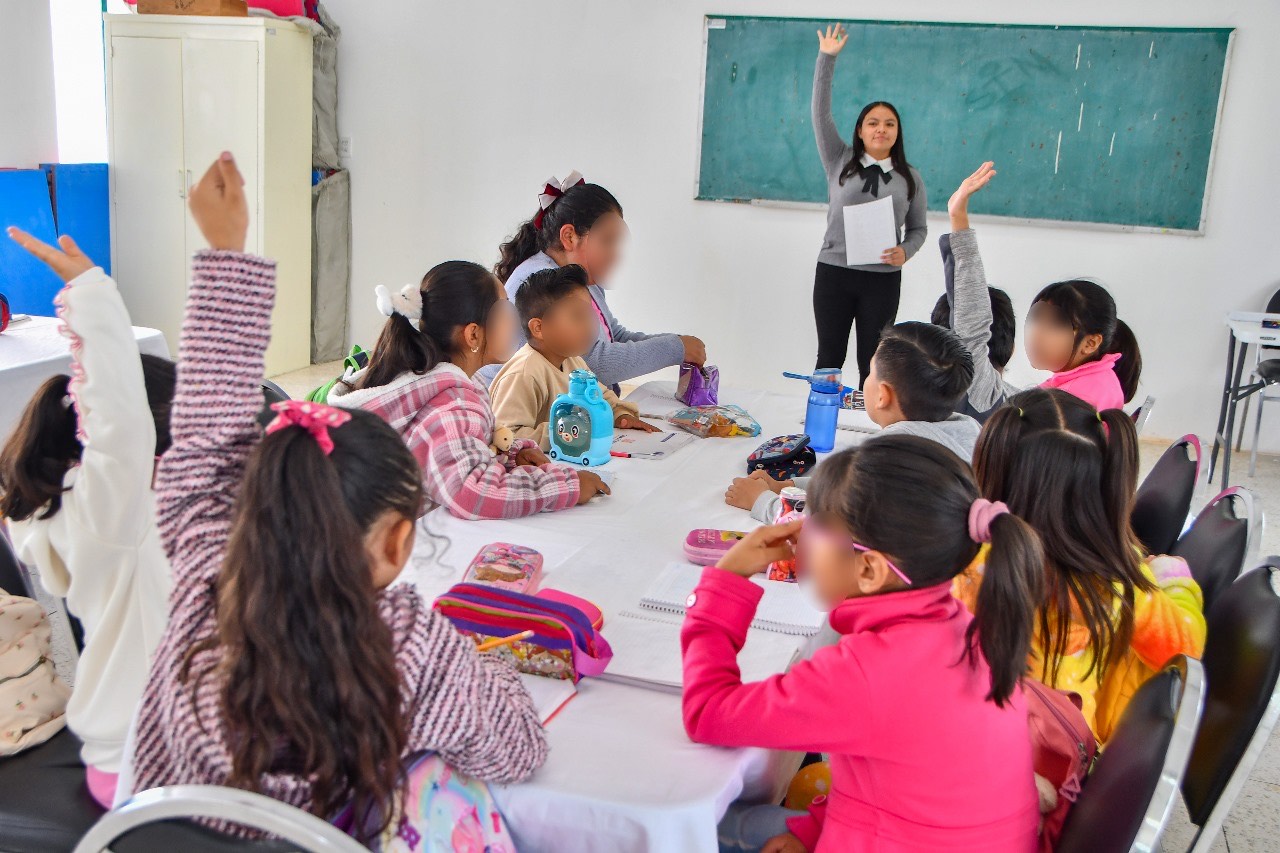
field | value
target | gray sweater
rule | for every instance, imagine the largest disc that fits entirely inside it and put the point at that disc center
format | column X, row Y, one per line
column 835, row 154
column 971, row 318
column 958, row 433
column 628, row 355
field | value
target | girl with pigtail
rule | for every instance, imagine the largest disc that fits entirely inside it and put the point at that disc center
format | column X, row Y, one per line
column 290, row 666
column 438, row 334
column 919, row 704
column 1110, row 618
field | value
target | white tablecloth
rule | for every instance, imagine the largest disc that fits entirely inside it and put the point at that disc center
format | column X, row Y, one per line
column 622, row 775
column 34, row 350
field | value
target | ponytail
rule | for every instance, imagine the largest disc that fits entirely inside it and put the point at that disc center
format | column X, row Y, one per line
column 304, row 657
column 1119, row 467
column 38, row 454
column 1011, row 591
column 579, row 206
column 455, row 294
column 1129, row 367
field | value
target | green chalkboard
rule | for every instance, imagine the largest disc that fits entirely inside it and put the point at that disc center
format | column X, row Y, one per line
column 1086, row 124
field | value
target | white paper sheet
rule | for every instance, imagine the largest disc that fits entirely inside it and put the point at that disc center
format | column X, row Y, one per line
column 549, row 694
column 869, row 231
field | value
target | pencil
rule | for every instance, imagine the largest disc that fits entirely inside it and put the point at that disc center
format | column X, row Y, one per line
column 489, row 645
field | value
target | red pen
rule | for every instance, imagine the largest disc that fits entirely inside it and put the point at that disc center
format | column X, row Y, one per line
column 618, row 454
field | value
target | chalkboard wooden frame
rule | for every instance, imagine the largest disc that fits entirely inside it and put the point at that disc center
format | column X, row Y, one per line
column 1190, row 220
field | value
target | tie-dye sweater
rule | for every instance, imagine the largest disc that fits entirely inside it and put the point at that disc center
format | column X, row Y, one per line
column 1167, row 621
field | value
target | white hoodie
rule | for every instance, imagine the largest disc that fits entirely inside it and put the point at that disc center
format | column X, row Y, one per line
column 101, row 550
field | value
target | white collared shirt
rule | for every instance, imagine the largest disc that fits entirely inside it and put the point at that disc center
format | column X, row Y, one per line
column 868, row 160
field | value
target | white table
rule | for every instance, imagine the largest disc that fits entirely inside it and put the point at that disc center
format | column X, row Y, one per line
column 1244, row 328
column 34, row 350
column 622, row 775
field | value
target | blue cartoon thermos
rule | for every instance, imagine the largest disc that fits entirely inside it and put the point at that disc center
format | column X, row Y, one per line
column 581, row 422
column 826, row 394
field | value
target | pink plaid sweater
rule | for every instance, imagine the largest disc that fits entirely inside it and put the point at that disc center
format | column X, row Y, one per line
column 471, row 709
column 446, row 420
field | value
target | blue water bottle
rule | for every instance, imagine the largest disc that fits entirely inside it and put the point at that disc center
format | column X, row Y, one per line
column 826, row 393
column 580, row 428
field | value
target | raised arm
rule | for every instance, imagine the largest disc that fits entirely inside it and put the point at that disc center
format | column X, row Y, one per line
column 831, row 147
column 114, row 421
column 214, row 418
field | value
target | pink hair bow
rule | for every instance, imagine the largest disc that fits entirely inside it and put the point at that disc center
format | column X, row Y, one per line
column 315, row 418
column 552, row 191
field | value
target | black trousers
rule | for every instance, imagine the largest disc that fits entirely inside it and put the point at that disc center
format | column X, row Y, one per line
column 843, row 297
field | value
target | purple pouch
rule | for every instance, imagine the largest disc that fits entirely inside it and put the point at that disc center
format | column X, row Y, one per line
column 699, row 386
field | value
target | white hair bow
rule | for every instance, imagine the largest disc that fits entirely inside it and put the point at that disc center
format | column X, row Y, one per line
column 407, row 303
column 552, row 190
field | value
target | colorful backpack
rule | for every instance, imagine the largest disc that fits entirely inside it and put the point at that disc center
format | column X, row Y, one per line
column 357, row 360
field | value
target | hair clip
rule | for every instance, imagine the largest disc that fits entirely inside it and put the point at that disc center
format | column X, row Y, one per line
column 407, row 302
column 315, row 418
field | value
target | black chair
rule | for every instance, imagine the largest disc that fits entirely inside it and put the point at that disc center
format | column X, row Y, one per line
column 1220, row 541
column 13, row 579
column 1125, row 803
column 1163, row 502
column 1266, row 372
column 271, row 393
column 45, row 805
column 1242, row 668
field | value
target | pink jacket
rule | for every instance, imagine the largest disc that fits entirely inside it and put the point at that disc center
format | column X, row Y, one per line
column 446, row 420
column 1095, row 382
column 919, row 759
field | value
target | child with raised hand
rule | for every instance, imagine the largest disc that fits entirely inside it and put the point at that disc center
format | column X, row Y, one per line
column 919, row 375
column 981, row 315
column 555, row 308
column 1111, row 618
column 75, row 487
column 290, row 666
column 419, row 379
column 1072, row 328
column 919, row 703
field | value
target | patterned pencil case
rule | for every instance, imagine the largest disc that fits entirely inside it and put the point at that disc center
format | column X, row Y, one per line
column 566, row 641
column 514, row 568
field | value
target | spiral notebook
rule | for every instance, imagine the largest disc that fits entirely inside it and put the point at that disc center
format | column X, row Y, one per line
column 783, row 609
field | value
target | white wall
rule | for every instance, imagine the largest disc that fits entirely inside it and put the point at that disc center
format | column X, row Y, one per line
column 28, row 130
column 458, row 112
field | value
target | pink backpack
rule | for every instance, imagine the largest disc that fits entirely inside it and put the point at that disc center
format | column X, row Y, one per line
column 1063, row 750
column 33, row 700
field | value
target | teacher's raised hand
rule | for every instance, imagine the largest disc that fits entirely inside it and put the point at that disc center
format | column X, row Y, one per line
column 832, row 41
column 958, row 204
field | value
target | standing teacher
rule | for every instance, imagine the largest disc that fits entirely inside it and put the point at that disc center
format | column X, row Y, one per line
column 874, row 166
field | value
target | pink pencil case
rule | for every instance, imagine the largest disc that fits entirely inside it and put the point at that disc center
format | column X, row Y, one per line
column 705, row 547
column 513, row 568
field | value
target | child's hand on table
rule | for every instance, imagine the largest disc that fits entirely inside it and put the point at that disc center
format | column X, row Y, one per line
column 633, row 422
column 218, row 205
column 762, row 546
column 784, row 843
column 590, row 485
column 775, row 486
column 68, row 263
column 532, row 456
column 743, row 491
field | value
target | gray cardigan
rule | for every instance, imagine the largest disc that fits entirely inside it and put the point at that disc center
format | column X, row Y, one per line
column 628, row 355
column 835, row 154
column 971, row 320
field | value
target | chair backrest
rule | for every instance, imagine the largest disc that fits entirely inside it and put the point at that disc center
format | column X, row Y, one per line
column 1163, row 501
column 1242, row 668
column 1126, row 800
column 163, row 805
column 13, row 579
column 1218, row 545
column 271, row 393
column 1273, row 307
column 1142, row 414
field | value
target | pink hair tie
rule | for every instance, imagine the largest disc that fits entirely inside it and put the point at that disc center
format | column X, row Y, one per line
column 981, row 513
column 315, row 418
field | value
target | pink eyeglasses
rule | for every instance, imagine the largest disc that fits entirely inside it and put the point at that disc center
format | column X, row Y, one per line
column 814, row 529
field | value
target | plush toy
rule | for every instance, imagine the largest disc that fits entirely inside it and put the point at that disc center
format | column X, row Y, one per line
column 503, row 438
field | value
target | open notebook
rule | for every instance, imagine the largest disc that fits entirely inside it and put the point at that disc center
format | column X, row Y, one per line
column 549, row 694
column 646, row 653
column 783, row 608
